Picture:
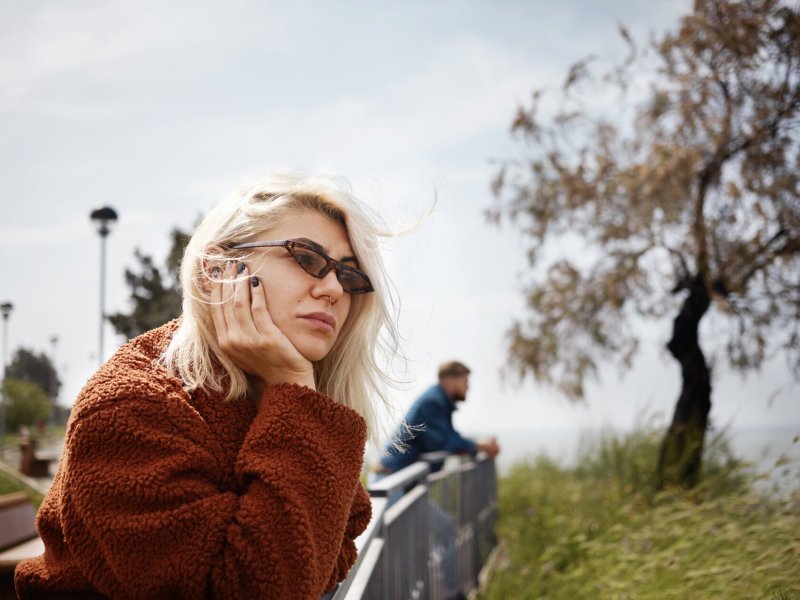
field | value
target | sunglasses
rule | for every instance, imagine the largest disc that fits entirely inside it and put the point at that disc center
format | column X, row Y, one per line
column 318, row 264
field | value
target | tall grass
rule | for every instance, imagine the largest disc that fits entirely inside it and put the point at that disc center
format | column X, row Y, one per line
column 603, row 530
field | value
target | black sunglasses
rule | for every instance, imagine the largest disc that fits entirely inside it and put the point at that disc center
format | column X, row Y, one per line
column 318, row 264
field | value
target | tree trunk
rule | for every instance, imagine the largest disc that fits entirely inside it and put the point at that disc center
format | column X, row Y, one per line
column 682, row 448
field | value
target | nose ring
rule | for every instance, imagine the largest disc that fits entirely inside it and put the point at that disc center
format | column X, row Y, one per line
column 331, row 299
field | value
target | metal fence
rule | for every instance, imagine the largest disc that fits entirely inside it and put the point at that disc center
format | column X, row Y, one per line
column 431, row 532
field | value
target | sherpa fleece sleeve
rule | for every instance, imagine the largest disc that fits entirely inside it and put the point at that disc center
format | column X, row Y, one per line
column 145, row 516
column 360, row 515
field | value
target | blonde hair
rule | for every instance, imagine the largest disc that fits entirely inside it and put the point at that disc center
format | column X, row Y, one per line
column 350, row 373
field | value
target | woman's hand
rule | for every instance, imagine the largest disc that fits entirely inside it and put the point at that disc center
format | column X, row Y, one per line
column 247, row 334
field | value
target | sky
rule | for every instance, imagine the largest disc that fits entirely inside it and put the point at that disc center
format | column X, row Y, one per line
column 158, row 109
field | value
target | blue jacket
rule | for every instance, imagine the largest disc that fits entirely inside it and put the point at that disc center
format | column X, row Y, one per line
column 431, row 422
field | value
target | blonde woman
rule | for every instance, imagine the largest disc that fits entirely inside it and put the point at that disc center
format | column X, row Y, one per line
column 219, row 456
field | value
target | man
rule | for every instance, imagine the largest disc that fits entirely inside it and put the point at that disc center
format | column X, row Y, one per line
column 428, row 425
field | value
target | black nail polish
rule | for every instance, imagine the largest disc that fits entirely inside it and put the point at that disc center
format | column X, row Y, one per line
column 254, row 281
column 240, row 268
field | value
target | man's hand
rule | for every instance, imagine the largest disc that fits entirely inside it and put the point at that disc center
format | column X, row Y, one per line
column 489, row 446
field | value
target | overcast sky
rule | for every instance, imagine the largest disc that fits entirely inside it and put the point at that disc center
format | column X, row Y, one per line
column 159, row 108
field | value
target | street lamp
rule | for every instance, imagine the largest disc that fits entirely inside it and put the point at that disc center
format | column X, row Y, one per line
column 103, row 218
column 54, row 408
column 5, row 309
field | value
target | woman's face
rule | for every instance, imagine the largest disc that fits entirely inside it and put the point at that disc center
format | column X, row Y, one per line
column 299, row 304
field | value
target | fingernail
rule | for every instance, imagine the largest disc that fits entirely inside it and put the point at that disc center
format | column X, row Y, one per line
column 254, row 281
column 240, row 268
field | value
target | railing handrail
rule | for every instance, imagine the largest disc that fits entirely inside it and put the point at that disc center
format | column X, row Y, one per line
column 399, row 480
column 415, row 506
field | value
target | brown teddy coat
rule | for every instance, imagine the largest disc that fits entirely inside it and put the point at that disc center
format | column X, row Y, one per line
column 162, row 493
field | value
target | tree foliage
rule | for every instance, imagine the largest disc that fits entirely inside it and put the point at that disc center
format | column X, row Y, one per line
column 28, row 366
column 26, row 403
column 155, row 293
column 691, row 182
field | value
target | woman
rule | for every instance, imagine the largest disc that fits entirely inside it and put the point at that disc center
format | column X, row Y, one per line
column 219, row 455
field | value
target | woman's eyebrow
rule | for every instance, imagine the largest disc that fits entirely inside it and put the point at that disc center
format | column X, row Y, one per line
column 311, row 243
column 324, row 250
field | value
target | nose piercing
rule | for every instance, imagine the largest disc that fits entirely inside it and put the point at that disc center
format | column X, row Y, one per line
column 331, row 299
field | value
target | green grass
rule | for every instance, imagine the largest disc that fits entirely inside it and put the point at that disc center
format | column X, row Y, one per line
column 9, row 484
column 603, row 530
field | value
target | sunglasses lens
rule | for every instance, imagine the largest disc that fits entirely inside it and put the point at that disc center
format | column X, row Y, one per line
column 312, row 263
column 315, row 264
column 352, row 281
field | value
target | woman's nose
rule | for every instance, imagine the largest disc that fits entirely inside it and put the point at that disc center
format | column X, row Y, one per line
column 330, row 286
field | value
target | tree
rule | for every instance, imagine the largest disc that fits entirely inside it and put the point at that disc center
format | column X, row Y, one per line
column 156, row 298
column 26, row 403
column 686, row 198
column 30, row 367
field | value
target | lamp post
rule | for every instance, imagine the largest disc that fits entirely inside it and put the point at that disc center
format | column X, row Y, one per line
column 103, row 218
column 5, row 309
column 54, row 407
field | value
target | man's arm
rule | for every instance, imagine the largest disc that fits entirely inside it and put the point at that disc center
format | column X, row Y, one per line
column 438, row 432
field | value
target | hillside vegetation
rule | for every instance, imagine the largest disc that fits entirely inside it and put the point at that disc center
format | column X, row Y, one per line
column 603, row 531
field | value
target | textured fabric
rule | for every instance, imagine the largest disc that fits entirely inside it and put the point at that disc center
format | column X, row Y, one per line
column 430, row 422
column 165, row 494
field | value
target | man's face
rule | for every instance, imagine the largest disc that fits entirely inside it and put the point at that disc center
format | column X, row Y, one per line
column 458, row 387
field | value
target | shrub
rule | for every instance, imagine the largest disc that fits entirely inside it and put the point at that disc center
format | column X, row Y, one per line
column 26, row 403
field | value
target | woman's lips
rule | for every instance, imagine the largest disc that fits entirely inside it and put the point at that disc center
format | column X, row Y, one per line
column 322, row 320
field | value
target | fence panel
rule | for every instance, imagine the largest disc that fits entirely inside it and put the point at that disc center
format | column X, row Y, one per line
column 430, row 535
column 406, row 534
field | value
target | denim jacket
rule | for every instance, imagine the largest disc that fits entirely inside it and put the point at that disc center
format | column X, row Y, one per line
column 430, row 421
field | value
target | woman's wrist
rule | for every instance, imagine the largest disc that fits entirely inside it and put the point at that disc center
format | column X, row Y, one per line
column 303, row 382
column 297, row 379
column 304, row 379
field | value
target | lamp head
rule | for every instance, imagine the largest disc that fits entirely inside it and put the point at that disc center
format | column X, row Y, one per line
column 103, row 217
column 6, row 308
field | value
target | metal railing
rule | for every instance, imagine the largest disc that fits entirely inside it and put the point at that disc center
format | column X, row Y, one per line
column 432, row 530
